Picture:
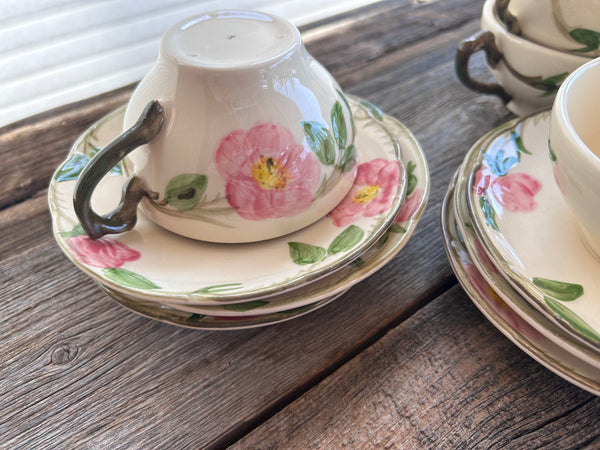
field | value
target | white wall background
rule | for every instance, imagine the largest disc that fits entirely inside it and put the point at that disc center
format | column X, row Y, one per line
column 54, row 52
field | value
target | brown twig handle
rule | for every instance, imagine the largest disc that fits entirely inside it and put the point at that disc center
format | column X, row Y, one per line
column 483, row 40
column 124, row 217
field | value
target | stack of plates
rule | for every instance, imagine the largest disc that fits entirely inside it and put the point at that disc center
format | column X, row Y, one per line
column 516, row 250
column 219, row 286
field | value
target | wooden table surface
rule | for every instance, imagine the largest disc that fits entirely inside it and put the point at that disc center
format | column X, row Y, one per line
column 402, row 360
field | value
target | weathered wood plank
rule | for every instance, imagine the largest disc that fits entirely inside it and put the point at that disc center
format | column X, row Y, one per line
column 446, row 379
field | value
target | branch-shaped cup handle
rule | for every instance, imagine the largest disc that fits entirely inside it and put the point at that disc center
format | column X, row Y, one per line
column 124, row 217
column 483, row 40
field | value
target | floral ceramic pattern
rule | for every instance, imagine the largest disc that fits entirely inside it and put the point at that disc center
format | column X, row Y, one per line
column 204, row 271
column 543, row 344
column 373, row 192
column 517, row 211
column 267, row 173
column 104, row 253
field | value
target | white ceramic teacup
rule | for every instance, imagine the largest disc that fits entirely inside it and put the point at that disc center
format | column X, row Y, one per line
column 527, row 74
column 566, row 25
column 574, row 145
column 242, row 135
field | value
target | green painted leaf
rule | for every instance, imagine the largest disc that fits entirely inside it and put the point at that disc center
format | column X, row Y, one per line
column 128, row 278
column 412, row 179
column 518, row 141
column 554, row 80
column 246, row 306
column 573, row 319
column 358, row 262
column 195, row 318
column 373, row 110
column 76, row 231
column 347, row 239
column 560, row 290
column 185, row 191
column 489, row 213
column 551, row 151
column 345, row 100
column 397, row 228
column 71, row 169
column 589, row 38
column 349, row 158
column 303, row 254
column 218, row 288
column 338, row 123
column 320, row 141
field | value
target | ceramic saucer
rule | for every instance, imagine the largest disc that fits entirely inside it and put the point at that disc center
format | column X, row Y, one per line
column 526, row 228
column 511, row 324
column 158, row 264
column 502, row 288
column 373, row 259
column 173, row 316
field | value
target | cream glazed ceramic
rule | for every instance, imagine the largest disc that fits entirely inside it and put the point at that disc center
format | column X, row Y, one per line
column 526, row 228
column 258, row 139
column 156, row 265
column 462, row 229
column 528, row 74
column 575, row 148
column 566, row 25
column 512, row 325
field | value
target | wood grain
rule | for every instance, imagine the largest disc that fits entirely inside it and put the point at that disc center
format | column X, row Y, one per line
column 437, row 381
column 79, row 371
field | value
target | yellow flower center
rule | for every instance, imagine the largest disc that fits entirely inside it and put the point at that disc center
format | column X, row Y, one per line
column 270, row 173
column 366, row 194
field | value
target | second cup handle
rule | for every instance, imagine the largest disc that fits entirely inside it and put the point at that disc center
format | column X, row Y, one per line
column 124, row 217
column 483, row 40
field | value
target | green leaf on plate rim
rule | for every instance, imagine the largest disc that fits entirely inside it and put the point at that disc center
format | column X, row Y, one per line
column 128, row 278
column 185, row 191
column 412, row 179
column 338, row 124
column 397, row 228
column 373, row 110
column 245, row 306
column 320, row 141
column 518, row 141
column 488, row 213
column 218, row 288
column 560, row 290
column 346, row 240
column 573, row 319
column 303, row 254
column 76, row 231
column 195, row 318
column 551, row 151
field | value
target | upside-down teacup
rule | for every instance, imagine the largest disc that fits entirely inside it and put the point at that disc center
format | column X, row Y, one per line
column 236, row 135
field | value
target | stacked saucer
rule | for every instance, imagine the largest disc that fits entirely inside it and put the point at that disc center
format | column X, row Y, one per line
column 205, row 285
column 515, row 249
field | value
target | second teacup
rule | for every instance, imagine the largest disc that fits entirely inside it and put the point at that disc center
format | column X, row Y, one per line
column 242, row 135
column 574, row 145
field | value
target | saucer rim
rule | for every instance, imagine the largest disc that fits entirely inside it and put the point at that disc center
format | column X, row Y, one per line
column 522, row 286
column 543, row 357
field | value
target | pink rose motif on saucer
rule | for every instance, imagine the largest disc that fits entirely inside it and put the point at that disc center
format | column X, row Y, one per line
column 268, row 174
column 373, row 192
column 514, row 191
column 103, row 253
column 409, row 207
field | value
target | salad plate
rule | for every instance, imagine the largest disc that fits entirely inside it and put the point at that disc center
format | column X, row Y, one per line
column 502, row 288
column 507, row 321
column 526, row 228
column 151, row 263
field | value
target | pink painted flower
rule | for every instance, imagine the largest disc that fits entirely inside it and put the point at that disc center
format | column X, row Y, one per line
column 410, row 205
column 267, row 174
column 514, row 191
column 373, row 192
column 104, row 253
